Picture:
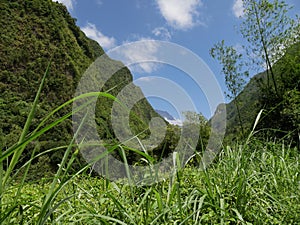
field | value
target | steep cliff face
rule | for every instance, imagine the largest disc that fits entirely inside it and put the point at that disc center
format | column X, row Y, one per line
column 33, row 33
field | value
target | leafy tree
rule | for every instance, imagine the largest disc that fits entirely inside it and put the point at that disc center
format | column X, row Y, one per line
column 271, row 34
column 169, row 143
column 282, row 114
column 269, row 31
column 292, row 107
column 232, row 68
column 273, row 44
column 196, row 124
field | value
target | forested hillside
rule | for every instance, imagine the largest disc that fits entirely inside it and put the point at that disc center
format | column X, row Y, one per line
column 33, row 33
column 281, row 117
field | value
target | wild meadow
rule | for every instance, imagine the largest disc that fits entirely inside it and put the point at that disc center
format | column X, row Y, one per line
column 254, row 178
column 251, row 182
column 257, row 183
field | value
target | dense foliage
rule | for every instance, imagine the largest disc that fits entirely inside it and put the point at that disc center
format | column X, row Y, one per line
column 273, row 42
column 253, row 182
column 281, row 111
column 33, row 33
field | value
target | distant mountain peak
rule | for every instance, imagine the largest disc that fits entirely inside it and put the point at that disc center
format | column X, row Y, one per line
column 168, row 117
column 165, row 114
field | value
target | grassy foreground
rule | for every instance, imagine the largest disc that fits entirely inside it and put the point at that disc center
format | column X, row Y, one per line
column 257, row 183
column 251, row 183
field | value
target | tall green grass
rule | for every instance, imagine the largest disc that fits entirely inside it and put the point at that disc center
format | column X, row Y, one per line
column 255, row 182
column 8, row 209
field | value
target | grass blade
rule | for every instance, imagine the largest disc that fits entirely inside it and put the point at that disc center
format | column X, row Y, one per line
column 18, row 153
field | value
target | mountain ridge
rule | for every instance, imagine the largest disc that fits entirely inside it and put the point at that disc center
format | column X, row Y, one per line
column 34, row 33
column 253, row 97
column 165, row 114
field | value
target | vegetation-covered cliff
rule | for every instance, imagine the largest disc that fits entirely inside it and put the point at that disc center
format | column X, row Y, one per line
column 33, row 33
column 281, row 116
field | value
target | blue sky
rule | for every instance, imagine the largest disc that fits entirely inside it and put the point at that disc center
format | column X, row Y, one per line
column 194, row 24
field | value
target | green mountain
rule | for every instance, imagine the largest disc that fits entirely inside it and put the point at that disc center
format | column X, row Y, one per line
column 281, row 115
column 34, row 32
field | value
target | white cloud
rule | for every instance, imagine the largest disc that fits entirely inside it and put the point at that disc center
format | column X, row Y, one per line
column 144, row 53
column 145, row 79
column 99, row 2
column 180, row 14
column 162, row 32
column 68, row 3
column 238, row 8
column 91, row 31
